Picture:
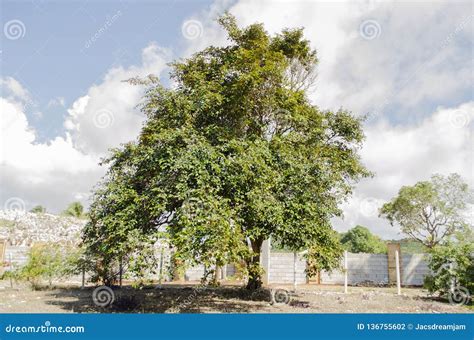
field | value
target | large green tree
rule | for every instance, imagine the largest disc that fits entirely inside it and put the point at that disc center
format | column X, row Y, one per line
column 232, row 153
column 431, row 211
column 360, row 240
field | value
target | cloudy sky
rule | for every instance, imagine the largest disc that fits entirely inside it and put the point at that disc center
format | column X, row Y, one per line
column 408, row 65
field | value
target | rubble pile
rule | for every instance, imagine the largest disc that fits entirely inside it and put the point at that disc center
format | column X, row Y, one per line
column 26, row 228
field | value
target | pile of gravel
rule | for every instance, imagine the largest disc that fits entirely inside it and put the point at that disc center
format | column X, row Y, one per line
column 25, row 228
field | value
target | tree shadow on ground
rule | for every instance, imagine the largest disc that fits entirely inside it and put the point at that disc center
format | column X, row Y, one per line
column 165, row 299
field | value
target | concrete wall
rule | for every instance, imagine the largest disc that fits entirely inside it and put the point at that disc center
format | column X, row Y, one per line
column 361, row 267
column 18, row 255
column 197, row 272
column 374, row 268
column 414, row 269
column 194, row 273
column 282, row 268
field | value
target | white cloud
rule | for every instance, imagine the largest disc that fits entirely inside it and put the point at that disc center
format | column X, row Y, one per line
column 421, row 52
column 66, row 168
column 403, row 155
column 421, row 55
column 107, row 116
column 12, row 87
column 40, row 173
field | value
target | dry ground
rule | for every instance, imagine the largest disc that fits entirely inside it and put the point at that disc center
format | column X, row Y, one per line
column 174, row 298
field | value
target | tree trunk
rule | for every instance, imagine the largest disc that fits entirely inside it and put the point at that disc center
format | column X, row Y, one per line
column 253, row 266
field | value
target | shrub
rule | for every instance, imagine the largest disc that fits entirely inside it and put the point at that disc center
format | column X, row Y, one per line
column 452, row 265
column 49, row 261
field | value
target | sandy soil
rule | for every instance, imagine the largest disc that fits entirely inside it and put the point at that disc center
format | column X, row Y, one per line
column 175, row 298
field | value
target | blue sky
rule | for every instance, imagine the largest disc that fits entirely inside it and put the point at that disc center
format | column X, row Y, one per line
column 409, row 65
column 52, row 59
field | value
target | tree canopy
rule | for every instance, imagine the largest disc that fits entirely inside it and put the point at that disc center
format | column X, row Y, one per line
column 38, row 209
column 430, row 211
column 360, row 240
column 232, row 153
column 75, row 209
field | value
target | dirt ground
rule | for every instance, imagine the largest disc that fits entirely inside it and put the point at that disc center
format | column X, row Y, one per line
column 175, row 298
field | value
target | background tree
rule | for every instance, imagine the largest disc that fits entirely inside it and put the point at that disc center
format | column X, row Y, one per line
column 409, row 246
column 360, row 240
column 430, row 211
column 233, row 153
column 75, row 209
column 39, row 209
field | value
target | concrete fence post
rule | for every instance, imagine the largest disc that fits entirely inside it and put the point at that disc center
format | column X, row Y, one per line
column 11, row 269
column 121, row 271
column 224, row 272
column 160, row 277
column 83, row 273
column 265, row 259
column 295, row 264
column 452, row 283
column 345, row 272
column 397, row 265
